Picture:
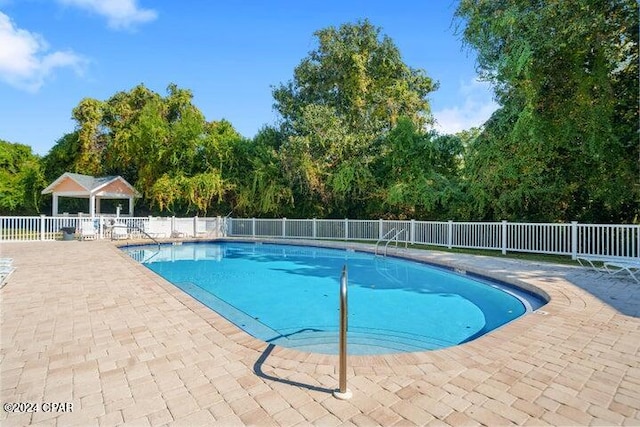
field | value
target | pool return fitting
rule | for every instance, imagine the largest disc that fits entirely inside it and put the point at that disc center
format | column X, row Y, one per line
column 343, row 393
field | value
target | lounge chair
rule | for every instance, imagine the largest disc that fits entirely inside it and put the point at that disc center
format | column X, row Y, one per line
column 154, row 228
column 594, row 261
column 208, row 228
column 631, row 267
column 5, row 272
column 177, row 234
column 119, row 231
column 87, row 230
column 611, row 265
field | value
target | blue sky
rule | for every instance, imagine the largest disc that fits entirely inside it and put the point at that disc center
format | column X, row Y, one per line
column 53, row 53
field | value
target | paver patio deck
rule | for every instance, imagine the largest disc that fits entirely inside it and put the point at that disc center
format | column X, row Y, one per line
column 83, row 323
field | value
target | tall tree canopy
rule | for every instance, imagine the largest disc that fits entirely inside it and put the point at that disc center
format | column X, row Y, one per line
column 420, row 172
column 361, row 76
column 257, row 174
column 344, row 97
column 21, row 179
column 353, row 139
column 163, row 145
column 564, row 145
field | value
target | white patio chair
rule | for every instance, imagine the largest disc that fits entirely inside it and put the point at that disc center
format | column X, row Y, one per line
column 154, row 228
column 119, row 231
column 87, row 230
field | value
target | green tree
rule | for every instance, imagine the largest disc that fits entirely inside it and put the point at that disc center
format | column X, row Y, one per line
column 565, row 145
column 362, row 76
column 258, row 175
column 345, row 95
column 163, row 145
column 62, row 157
column 314, row 160
column 174, row 150
column 120, row 122
column 21, row 179
column 421, row 172
column 503, row 175
column 88, row 114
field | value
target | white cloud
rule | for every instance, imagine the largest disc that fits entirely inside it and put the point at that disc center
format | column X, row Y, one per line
column 119, row 13
column 24, row 61
column 476, row 107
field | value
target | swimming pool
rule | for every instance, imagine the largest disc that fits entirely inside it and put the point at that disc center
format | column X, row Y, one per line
column 288, row 295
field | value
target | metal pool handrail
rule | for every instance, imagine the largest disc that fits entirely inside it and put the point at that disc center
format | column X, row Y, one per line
column 395, row 237
column 382, row 239
column 343, row 392
column 139, row 229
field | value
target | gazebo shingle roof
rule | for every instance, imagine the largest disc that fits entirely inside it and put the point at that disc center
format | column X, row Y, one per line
column 76, row 185
column 89, row 183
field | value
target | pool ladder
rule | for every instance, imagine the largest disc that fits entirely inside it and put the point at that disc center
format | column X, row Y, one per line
column 393, row 238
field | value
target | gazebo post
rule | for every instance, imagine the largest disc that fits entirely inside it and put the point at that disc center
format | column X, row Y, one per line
column 92, row 205
column 54, row 208
column 131, row 199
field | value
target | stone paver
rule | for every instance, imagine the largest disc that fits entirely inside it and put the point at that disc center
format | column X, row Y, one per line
column 83, row 324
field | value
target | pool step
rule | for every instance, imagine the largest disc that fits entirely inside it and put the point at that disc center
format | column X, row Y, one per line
column 358, row 342
column 318, row 339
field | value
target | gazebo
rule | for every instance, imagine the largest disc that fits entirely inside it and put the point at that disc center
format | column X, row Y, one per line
column 88, row 187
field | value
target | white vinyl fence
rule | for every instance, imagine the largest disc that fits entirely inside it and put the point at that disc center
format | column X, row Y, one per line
column 42, row 228
column 618, row 240
column 573, row 239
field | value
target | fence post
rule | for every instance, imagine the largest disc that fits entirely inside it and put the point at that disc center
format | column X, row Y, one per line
column 346, row 229
column 101, row 227
column 314, row 230
column 253, row 227
column 42, row 222
column 412, row 231
column 574, row 240
column 504, row 237
column 450, row 234
column 173, row 224
column 380, row 229
column 284, row 227
column 195, row 226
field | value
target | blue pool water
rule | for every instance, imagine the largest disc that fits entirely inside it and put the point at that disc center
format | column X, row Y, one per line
column 289, row 296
